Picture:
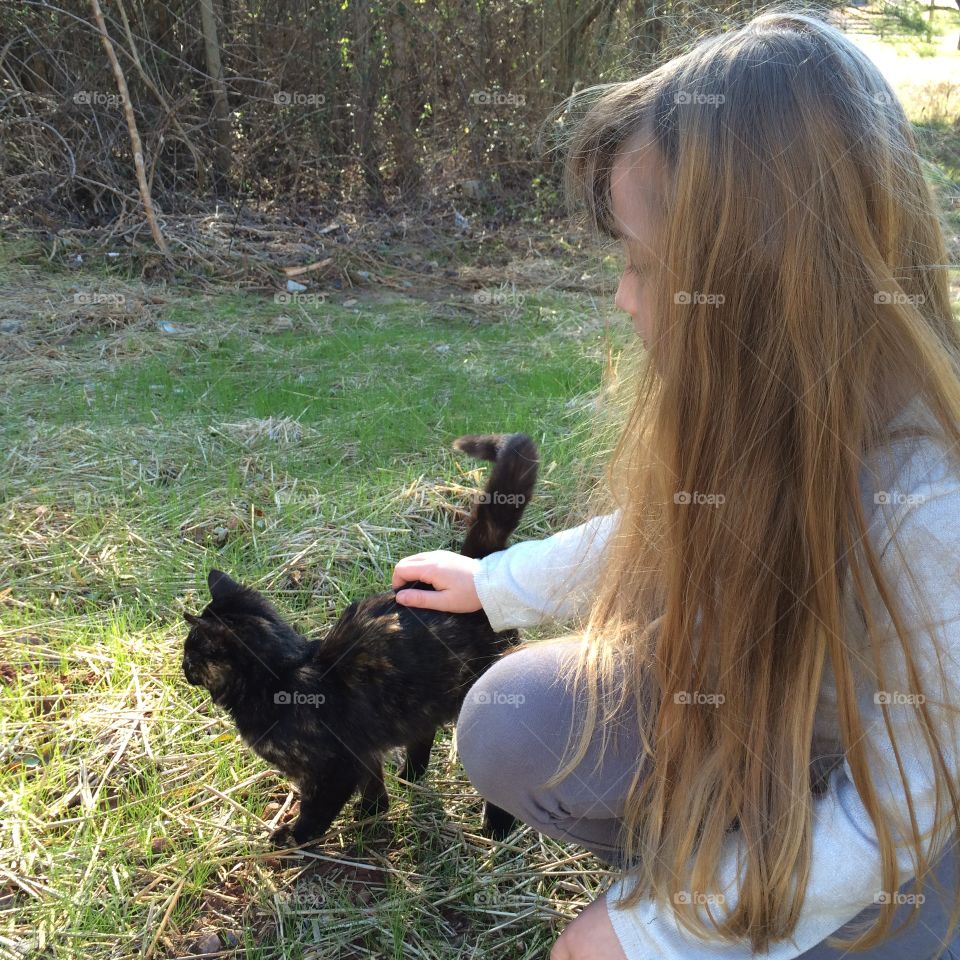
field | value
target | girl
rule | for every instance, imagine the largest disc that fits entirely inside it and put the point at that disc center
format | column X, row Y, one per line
column 756, row 723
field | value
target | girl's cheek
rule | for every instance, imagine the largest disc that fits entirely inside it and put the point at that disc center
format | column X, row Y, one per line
column 643, row 317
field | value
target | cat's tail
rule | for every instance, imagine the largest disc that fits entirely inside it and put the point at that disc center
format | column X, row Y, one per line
column 498, row 508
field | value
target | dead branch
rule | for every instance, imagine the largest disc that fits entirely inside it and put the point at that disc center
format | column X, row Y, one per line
column 134, row 133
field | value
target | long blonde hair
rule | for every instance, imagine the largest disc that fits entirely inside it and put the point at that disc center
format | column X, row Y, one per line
column 795, row 192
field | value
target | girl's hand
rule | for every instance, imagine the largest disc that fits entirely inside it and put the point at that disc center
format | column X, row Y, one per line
column 450, row 575
column 589, row 936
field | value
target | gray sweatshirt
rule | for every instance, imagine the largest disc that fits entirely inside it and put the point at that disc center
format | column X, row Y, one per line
column 911, row 497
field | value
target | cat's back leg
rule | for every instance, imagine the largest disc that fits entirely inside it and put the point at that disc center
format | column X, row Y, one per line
column 497, row 823
column 373, row 791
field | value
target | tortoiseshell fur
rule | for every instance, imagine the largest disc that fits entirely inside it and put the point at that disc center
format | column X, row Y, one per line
column 325, row 711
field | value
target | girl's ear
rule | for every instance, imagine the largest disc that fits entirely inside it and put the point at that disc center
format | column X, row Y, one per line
column 220, row 584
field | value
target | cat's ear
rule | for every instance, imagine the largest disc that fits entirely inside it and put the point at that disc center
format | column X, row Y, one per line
column 192, row 619
column 221, row 585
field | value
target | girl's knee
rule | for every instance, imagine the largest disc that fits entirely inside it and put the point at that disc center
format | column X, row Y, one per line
column 513, row 718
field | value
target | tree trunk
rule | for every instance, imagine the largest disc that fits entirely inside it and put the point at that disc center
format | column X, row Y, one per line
column 575, row 19
column 647, row 29
column 406, row 95
column 366, row 83
column 221, row 109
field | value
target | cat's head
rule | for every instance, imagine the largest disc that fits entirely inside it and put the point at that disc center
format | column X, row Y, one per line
column 239, row 642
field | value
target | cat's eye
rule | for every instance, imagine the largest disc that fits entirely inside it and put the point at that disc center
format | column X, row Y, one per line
column 200, row 645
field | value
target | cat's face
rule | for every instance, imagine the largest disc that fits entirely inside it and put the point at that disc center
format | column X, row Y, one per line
column 239, row 639
column 208, row 660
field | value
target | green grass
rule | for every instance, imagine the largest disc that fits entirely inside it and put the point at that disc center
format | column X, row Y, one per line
column 906, row 26
column 133, row 818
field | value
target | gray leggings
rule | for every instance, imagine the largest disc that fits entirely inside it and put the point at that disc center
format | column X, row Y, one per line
column 511, row 734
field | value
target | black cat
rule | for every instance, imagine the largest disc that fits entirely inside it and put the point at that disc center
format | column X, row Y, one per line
column 325, row 711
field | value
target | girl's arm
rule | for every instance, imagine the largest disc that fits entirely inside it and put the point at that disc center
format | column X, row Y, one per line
column 537, row 580
column 845, row 874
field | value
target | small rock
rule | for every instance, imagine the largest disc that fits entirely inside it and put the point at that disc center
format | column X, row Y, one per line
column 10, row 326
column 442, row 348
column 350, row 303
column 166, row 327
column 207, row 942
column 282, row 323
column 472, row 188
column 294, row 287
column 365, row 895
column 230, row 939
column 48, row 704
column 363, row 274
column 158, row 845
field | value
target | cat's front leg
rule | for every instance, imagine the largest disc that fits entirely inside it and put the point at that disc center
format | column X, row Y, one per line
column 320, row 802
